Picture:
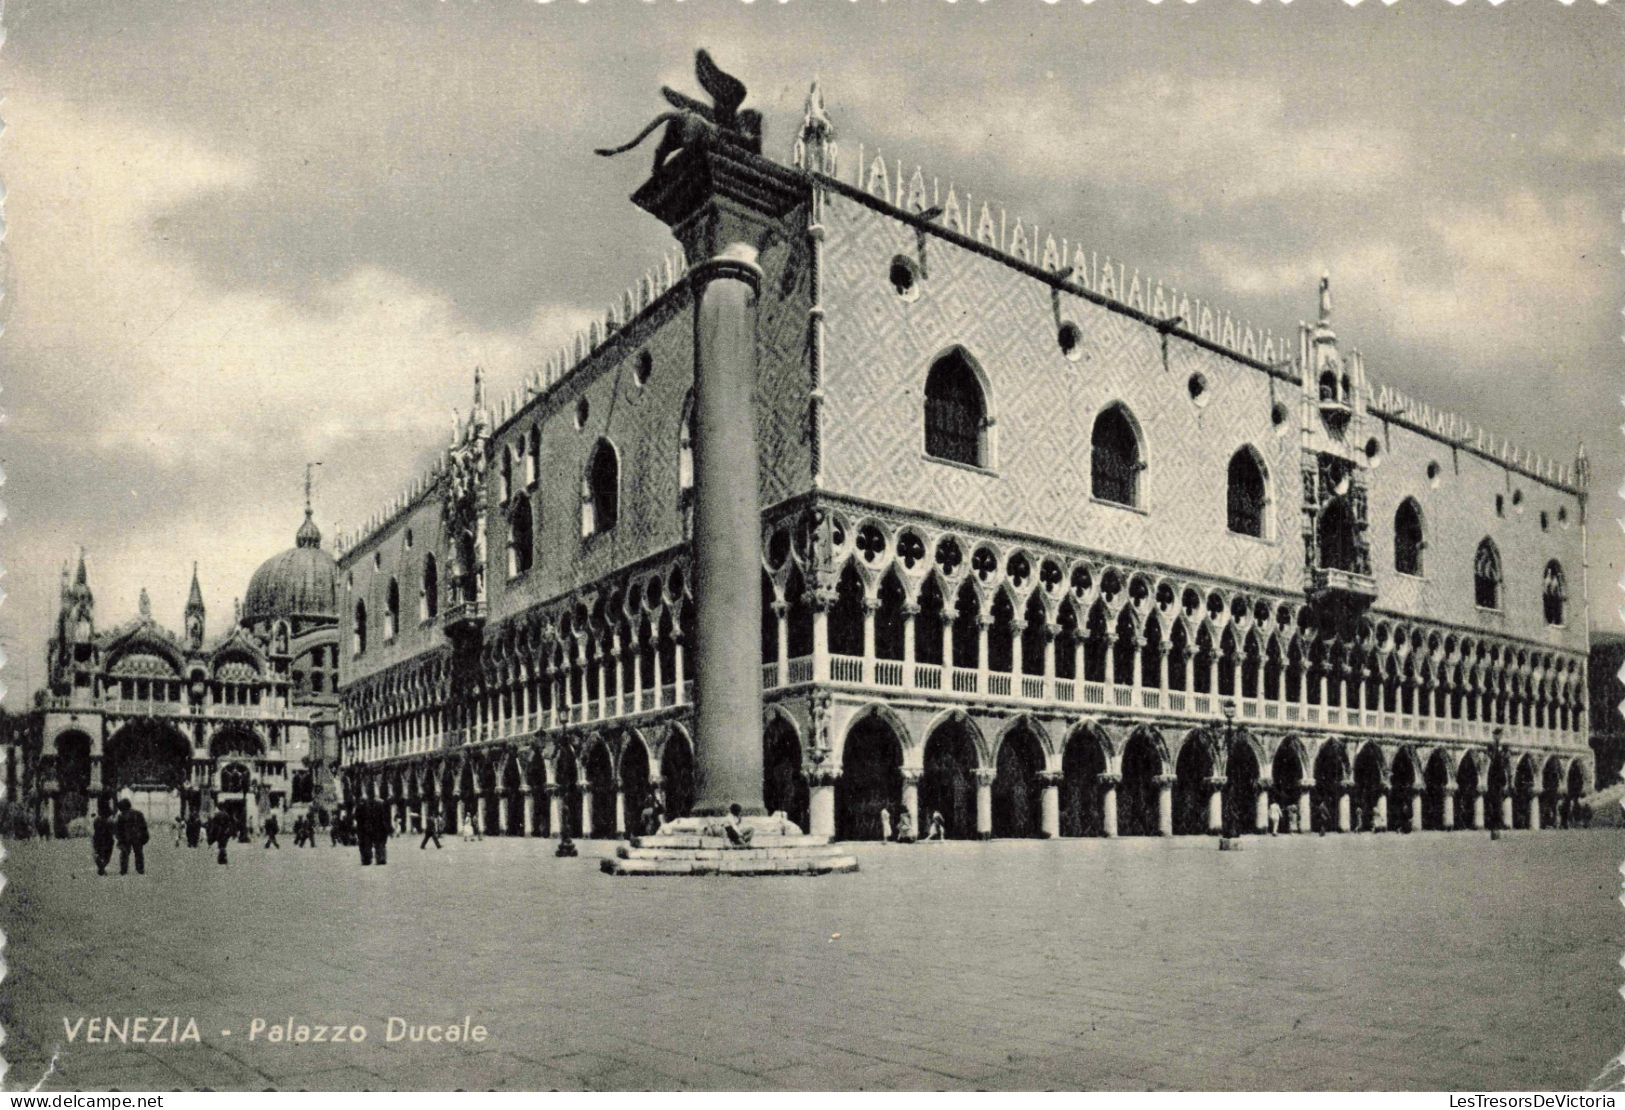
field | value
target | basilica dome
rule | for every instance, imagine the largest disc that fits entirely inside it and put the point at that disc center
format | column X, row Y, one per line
column 299, row 582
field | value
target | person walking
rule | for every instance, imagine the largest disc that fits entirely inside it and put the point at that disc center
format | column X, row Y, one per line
column 905, row 827
column 101, row 842
column 271, row 829
column 130, row 830
column 220, row 830
column 372, row 831
column 1274, row 816
column 468, row 827
column 936, row 828
column 431, row 831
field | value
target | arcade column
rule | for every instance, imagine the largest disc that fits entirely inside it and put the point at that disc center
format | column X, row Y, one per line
column 984, row 803
column 1417, row 794
column 1165, row 804
column 1050, row 813
column 1306, row 806
column 1344, row 824
column 527, row 798
column 1215, row 805
column 911, row 796
column 821, row 802
column 1261, row 808
column 1108, row 804
column 555, row 809
column 1449, row 818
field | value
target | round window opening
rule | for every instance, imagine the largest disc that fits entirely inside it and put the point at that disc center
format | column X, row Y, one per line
column 905, row 278
column 644, row 368
column 1433, row 474
column 377, row 559
column 409, row 539
column 1500, row 505
column 1198, row 389
column 1563, row 515
column 1545, row 520
column 1070, row 337
column 582, row 410
column 1278, row 415
column 1373, row 451
column 1517, row 499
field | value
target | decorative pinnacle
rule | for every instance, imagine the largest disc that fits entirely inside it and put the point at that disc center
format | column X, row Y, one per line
column 1325, row 297
column 815, row 120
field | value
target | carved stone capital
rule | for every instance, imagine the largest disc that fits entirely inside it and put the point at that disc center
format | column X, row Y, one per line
column 985, row 776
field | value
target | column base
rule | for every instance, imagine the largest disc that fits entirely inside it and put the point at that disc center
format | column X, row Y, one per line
column 700, row 846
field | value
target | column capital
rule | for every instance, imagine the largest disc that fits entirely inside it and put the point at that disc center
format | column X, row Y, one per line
column 985, row 776
column 871, row 604
column 912, row 775
column 1163, row 780
column 821, row 776
column 1017, row 627
column 1050, row 778
column 1218, row 782
column 911, row 609
column 1051, row 630
column 1108, row 781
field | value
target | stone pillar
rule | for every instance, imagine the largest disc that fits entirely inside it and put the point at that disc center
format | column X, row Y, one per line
column 1448, row 818
column 503, row 812
column 1417, row 794
column 680, row 672
column 1306, row 806
column 1478, row 809
column 1050, row 813
column 1261, row 809
column 781, row 653
column 1379, row 815
column 982, row 622
column 1108, row 804
column 821, row 803
column 910, row 611
column 1534, row 810
column 1111, row 657
column 947, row 647
column 911, row 796
column 1344, row 824
column 1215, row 805
column 1051, row 630
column 1018, row 657
column 1165, row 805
column 620, row 810
column 482, row 807
column 984, row 796
column 527, row 800
column 870, row 605
column 586, row 807
column 1506, row 809
column 555, row 809
column 1163, row 647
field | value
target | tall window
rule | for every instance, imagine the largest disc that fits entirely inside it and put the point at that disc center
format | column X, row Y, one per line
column 1246, row 497
column 601, row 490
column 533, row 456
column 955, row 411
column 1335, row 536
column 1553, row 592
column 429, row 598
column 1408, row 537
column 1116, row 464
column 1487, row 576
column 359, row 629
column 685, row 447
column 392, row 609
column 507, row 474
column 521, row 539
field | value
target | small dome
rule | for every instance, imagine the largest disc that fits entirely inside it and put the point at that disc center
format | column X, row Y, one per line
column 299, row 582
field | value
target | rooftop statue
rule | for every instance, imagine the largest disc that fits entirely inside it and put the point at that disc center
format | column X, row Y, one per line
column 695, row 124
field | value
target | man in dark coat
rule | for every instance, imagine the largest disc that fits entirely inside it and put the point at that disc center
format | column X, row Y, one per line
column 221, row 826
column 372, row 830
column 271, row 829
column 101, row 841
column 130, row 829
column 193, row 828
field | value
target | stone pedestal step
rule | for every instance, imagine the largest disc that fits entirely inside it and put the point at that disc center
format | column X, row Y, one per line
column 732, row 863
column 695, row 840
column 808, row 851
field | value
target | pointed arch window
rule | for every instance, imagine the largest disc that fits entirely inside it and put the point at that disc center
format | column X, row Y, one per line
column 955, row 411
column 533, row 456
column 392, row 609
column 1487, row 576
column 1116, row 458
column 1554, row 593
column 429, row 592
column 507, row 474
column 521, row 539
column 1335, row 536
column 1247, row 494
column 1408, row 542
column 601, row 490
column 358, row 630
column 685, row 448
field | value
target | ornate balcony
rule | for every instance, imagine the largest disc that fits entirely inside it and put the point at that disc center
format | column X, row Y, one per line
column 1333, row 584
column 463, row 618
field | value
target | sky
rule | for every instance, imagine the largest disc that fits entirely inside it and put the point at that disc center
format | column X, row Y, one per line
column 243, row 236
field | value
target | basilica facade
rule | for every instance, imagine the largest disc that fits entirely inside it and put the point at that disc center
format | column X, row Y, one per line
column 1048, row 549
column 185, row 722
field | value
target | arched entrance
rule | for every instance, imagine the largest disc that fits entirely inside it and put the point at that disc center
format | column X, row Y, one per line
column 73, row 779
column 677, row 775
column 152, row 762
column 569, row 794
column 1017, row 791
column 1191, row 772
column 1286, row 769
column 871, row 779
column 784, row 787
column 544, row 804
column 948, row 785
column 1367, row 787
column 1467, row 782
column 1330, row 769
column 600, row 781
column 1523, row 788
column 510, row 790
column 1241, row 790
column 1082, row 764
column 1137, row 794
column 1433, row 800
column 635, row 786
column 1551, row 784
column 1498, row 790
column 1402, row 798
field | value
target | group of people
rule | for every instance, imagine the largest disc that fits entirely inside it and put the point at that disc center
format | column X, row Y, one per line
column 127, row 829
column 935, row 827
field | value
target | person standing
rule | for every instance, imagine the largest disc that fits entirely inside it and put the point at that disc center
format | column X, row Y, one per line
column 468, row 827
column 905, row 827
column 130, row 829
column 101, row 842
column 936, row 828
column 220, row 830
column 271, row 828
column 180, row 829
column 372, row 831
column 193, row 828
column 1274, row 816
column 885, row 824
column 431, row 831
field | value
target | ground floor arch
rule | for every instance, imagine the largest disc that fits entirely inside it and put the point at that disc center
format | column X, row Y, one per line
column 871, row 779
column 1241, row 791
column 1138, row 802
column 677, row 775
column 784, row 785
column 1082, row 765
column 1017, row 785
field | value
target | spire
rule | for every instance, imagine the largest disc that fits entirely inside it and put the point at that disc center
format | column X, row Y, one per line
column 79, row 578
column 308, row 535
column 145, row 605
column 815, row 145
column 1325, row 298
column 194, row 612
